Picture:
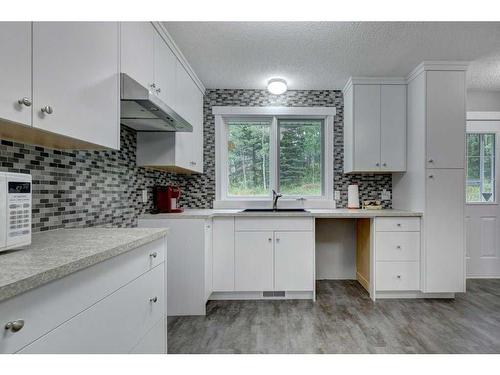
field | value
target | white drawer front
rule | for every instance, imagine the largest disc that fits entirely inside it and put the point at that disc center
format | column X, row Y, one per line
column 273, row 223
column 397, row 276
column 397, row 246
column 114, row 325
column 397, row 224
column 48, row 306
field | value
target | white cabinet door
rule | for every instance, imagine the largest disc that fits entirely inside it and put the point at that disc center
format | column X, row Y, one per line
column 115, row 324
column 393, row 128
column 294, row 261
column 444, row 231
column 15, row 71
column 76, row 75
column 253, row 261
column 445, row 101
column 367, row 128
column 223, row 254
column 164, row 70
column 137, row 51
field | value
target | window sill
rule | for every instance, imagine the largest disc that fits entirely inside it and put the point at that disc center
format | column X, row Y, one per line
column 282, row 203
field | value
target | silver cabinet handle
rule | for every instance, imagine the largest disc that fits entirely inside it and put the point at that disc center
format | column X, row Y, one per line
column 431, row 176
column 377, row 164
column 15, row 325
column 153, row 255
column 47, row 109
column 269, row 239
column 398, row 276
column 153, row 299
column 431, row 161
column 398, row 247
column 192, row 162
column 24, row 101
column 398, row 224
column 277, row 240
column 384, row 165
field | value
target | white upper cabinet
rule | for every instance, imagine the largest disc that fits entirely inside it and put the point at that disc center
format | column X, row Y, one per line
column 393, row 128
column 75, row 80
column 445, row 94
column 15, row 72
column 137, row 51
column 167, row 77
column 374, row 125
column 164, row 71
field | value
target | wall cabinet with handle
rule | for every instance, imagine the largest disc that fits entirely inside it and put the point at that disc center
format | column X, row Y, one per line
column 155, row 65
column 65, row 82
column 375, row 125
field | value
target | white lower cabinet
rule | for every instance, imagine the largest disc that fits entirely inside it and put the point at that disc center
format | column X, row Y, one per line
column 397, row 254
column 294, row 261
column 113, row 325
column 253, row 261
column 105, row 308
column 280, row 258
column 154, row 342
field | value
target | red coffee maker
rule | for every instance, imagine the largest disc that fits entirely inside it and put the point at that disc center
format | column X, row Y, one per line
column 166, row 199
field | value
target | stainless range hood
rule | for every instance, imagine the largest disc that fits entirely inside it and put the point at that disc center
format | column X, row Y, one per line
column 143, row 111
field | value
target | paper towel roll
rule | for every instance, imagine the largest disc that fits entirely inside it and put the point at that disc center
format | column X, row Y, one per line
column 352, row 196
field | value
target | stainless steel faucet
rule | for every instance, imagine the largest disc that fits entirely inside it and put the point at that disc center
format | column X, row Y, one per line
column 276, row 196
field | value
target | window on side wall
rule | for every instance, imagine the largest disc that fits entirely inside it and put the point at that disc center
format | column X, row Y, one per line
column 480, row 182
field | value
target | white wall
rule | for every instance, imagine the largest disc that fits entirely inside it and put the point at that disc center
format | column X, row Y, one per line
column 335, row 249
column 483, row 100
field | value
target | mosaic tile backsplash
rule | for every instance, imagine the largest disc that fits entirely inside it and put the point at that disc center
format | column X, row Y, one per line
column 104, row 188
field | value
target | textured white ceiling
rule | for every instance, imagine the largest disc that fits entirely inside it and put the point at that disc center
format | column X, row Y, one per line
column 322, row 55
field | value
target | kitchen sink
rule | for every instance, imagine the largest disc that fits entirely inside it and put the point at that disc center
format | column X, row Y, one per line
column 274, row 210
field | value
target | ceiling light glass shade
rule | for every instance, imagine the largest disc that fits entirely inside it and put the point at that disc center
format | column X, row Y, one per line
column 276, row 86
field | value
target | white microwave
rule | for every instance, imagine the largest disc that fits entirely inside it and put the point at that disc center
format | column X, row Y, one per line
column 15, row 210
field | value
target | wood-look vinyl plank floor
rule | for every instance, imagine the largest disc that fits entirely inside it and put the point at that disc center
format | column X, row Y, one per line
column 345, row 320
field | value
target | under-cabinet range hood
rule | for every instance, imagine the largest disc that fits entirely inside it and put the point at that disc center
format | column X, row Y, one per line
column 144, row 111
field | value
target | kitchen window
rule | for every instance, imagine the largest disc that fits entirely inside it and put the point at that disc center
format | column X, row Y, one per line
column 287, row 153
column 480, row 182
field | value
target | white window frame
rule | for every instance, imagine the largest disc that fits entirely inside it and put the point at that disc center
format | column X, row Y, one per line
column 481, row 123
column 224, row 113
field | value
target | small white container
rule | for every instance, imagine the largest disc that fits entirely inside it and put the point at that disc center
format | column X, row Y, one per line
column 352, row 196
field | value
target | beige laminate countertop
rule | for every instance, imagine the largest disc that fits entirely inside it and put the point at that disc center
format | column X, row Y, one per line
column 58, row 253
column 317, row 213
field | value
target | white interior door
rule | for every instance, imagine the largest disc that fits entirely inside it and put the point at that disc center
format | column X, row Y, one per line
column 482, row 220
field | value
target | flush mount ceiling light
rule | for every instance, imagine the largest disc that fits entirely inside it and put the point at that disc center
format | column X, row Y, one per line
column 276, row 86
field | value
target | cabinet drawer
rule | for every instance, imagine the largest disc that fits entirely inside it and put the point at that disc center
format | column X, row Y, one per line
column 114, row 325
column 273, row 223
column 155, row 341
column 397, row 246
column 397, row 276
column 48, row 306
column 397, row 224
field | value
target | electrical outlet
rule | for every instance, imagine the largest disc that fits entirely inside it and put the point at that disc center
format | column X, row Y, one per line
column 145, row 196
column 386, row 195
column 337, row 195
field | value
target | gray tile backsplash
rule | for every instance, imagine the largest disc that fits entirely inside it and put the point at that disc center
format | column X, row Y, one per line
column 104, row 188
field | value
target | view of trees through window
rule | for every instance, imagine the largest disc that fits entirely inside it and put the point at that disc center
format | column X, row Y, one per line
column 248, row 157
column 300, row 157
column 480, row 186
column 298, row 151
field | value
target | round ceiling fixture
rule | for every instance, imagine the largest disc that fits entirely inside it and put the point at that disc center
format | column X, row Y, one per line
column 276, row 86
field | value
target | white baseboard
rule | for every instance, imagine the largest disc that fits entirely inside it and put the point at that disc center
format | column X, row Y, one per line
column 221, row 296
column 412, row 294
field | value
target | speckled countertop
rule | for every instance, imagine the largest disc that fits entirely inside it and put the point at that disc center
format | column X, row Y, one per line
column 58, row 253
column 313, row 212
